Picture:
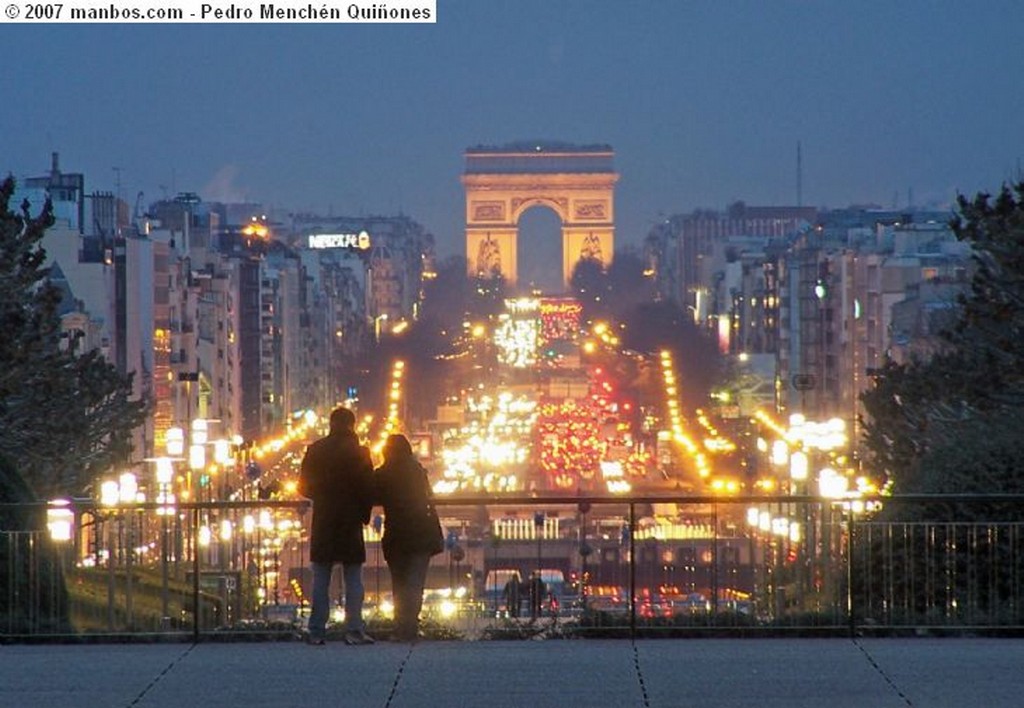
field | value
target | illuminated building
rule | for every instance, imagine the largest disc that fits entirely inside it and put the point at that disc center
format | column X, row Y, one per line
column 501, row 183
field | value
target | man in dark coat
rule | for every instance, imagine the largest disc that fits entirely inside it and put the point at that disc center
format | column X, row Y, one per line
column 337, row 474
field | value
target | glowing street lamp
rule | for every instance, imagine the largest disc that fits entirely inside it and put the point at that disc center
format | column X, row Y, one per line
column 110, row 493
column 175, row 442
column 377, row 325
column 60, row 520
column 200, row 431
column 164, row 481
column 780, row 452
column 222, row 451
column 128, row 488
column 831, row 484
column 798, row 466
column 196, row 456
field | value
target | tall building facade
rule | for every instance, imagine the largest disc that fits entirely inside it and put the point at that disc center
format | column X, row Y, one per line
column 831, row 295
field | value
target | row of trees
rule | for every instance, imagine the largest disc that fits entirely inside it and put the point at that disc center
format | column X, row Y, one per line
column 953, row 423
column 65, row 415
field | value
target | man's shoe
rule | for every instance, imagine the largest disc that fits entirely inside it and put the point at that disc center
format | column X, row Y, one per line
column 358, row 637
column 316, row 641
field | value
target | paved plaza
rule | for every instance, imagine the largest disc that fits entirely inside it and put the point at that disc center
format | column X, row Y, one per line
column 767, row 673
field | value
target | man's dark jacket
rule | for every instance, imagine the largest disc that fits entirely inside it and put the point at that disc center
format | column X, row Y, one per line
column 337, row 474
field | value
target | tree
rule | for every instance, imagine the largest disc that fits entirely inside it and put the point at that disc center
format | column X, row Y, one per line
column 950, row 424
column 628, row 285
column 33, row 595
column 447, row 298
column 653, row 326
column 65, row 415
column 589, row 283
column 991, row 327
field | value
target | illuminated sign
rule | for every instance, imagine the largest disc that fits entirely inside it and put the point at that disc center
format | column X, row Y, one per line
column 360, row 241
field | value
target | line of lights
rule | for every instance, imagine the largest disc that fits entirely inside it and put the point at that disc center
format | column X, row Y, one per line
column 676, row 418
column 393, row 420
column 714, row 443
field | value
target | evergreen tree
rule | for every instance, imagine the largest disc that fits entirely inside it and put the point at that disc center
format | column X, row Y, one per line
column 951, row 423
column 65, row 415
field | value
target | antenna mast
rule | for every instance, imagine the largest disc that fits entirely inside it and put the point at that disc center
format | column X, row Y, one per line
column 799, row 176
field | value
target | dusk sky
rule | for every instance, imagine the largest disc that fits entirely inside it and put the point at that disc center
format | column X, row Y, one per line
column 703, row 102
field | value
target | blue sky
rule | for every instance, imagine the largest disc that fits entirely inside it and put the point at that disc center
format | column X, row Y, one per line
column 704, row 103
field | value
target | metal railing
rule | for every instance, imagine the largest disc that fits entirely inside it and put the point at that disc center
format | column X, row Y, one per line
column 666, row 564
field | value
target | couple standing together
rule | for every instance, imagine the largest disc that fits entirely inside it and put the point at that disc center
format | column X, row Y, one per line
column 338, row 475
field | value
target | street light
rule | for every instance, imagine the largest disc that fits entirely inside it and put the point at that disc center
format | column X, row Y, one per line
column 377, row 325
column 798, row 466
column 60, row 520
column 123, row 490
column 164, row 497
column 175, row 442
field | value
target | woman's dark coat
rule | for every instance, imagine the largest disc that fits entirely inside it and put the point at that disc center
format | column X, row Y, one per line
column 337, row 475
column 401, row 487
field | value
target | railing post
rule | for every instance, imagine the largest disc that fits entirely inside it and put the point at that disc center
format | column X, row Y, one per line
column 851, row 618
column 108, row 534
column 165, row 613
column 632, row 570
column 714, row 562
column 195, row 575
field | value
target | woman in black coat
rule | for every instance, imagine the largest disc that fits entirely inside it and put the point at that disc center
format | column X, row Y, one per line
column 411, row 533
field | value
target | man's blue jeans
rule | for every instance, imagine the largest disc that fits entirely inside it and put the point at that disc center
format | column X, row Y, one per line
column 353, row 577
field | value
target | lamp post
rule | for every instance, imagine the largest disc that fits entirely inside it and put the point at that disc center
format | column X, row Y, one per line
column 176, row 449
column 249, row 527
column 165, row 497
column 377, row 322
column 223, row 458
column 60, row 522
column 197, row 453
column 129, row 492
column 114, row 494
column 821, row 292
column 537, row 582
column 108, row 499
column 833, row 487
column 585, row 551
column 226, row 542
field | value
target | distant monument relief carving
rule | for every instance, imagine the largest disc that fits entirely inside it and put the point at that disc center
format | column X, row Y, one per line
column 560, row 204
column 591, row 210
column 488, row 258
column 489, row 211
column 502, row 182
column 591, row 249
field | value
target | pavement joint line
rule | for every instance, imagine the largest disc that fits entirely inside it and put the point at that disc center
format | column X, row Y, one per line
column 640, row 675
column 156, row 680
column 881, row 671
column 398, row 676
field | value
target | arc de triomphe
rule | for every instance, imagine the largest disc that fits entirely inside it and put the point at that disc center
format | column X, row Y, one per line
column 501, row 183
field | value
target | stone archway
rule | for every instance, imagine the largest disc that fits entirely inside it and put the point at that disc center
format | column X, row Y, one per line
column 501, row 183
